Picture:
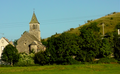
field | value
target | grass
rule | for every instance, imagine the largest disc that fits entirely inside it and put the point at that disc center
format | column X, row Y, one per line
column 64, row 69
column 110, row 22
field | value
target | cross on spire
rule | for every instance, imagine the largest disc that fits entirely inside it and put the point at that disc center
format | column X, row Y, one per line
column 33, row 10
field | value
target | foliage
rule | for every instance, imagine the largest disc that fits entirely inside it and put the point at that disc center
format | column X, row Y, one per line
column 118, row 26
column 61, row 49
column 71, row 29
column 107, row 60
column 91, row 44
column 15, row 42
column 32, row 51
column 44, row 42
column 111, row 18
column 116, row 47
column 114, row 12
column 40, row 58
column 10, row 54
column 105, row 49
column 25, row 60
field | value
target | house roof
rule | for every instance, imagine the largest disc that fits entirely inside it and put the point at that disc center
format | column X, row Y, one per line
column 34, row 19
column 6, row 39
column 10, row 42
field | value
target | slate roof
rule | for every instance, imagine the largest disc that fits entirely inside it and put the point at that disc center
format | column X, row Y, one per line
column 31, row 36
column 34, row 19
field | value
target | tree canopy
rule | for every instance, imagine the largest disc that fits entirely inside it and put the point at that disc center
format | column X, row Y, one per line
column 69, row 48
column 10, row 54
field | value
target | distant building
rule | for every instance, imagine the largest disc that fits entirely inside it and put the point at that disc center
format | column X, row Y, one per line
column 3, row 43
column 31, row 41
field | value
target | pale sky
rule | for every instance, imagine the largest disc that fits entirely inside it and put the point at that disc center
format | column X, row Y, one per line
column 53, row 15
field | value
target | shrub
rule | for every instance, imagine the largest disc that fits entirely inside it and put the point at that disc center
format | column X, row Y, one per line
column 106, row 60
column 118, row 26
column 26, row 60
column 71, row 29
column 113, row 12
column 118, row 62
column 111, row 18
column 40, row 58
column 88, row 21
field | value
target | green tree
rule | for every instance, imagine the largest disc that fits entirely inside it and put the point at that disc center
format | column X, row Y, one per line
column 15, row 42
column 105, row 49
column 89, row 42
column 10, row 54
column 44, row 42
column 62, row 49
column 40, row 58
column 116, row 41
column 118, row 26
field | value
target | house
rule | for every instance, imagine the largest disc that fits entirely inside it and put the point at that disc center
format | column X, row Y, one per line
column 3, row 43
column 31, row 41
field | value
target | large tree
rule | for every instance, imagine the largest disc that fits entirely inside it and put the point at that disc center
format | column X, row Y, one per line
column 10, row 54
column 116, row 41
column 62, row 49
column 91, row 44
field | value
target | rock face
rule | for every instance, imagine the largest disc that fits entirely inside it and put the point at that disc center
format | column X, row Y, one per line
column 31, row 41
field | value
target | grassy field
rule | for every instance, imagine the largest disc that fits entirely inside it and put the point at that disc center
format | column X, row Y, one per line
column 110, row 21
column 64, row 69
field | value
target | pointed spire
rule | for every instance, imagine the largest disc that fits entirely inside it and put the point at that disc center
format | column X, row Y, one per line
column 34, row 19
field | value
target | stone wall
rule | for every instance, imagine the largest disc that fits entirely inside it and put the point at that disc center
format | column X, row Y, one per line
column 24, row 43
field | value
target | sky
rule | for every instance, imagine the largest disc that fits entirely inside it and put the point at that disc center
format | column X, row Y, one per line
column 54, row 16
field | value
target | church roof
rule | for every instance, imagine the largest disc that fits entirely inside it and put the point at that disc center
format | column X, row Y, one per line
column 34, row 19
column 31, row 36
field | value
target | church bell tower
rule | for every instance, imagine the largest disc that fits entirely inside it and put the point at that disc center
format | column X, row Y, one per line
column 35, row 27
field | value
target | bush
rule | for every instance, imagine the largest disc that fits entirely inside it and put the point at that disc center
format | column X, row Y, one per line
column 114, row 12
column 25, row 60
column 71, row 29
column 40, row 58
column 106, row 60
column 111, row 18
column 118, row 62
column 118, row 26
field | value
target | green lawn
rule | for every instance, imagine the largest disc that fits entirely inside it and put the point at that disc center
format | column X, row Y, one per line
column 64, row 69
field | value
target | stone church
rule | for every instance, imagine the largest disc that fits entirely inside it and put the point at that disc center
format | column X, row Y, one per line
column 31, row 41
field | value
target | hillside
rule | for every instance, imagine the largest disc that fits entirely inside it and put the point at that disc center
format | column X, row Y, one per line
column 110, row 21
